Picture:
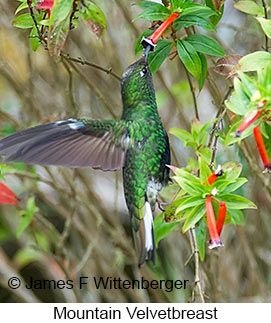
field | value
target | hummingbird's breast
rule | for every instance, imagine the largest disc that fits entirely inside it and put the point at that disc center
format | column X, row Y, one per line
column 145, row 168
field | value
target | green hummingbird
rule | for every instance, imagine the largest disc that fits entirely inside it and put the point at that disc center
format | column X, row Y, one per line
column 137, row 144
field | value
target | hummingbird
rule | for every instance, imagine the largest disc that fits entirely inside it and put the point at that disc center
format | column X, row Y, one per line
column 137, row 143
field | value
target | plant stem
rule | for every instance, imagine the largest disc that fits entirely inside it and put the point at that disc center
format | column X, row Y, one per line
column 29, row 3
column 195, row 251
column 81, row 61
column 93, row 88
column 70, row 89
column 266, row 17
column 219, row 116
column 193, row 93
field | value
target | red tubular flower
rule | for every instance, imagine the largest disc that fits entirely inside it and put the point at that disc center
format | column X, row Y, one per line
column 154, row 37
column 221, row 217
column 45, row 4
column 7, row 196
column 215, row 239
column 214, row 176
column 261, row 148
column 159, row 31
column 247, row 121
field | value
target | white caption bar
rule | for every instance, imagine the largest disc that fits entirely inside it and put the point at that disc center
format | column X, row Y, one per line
column 96, row 312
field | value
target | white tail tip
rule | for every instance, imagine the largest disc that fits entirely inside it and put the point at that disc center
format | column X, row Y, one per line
column 148, row 222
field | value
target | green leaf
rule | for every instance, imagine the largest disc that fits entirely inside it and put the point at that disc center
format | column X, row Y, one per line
column 205, row 153
column 264, row 77
column 197, row 10
column 267, row 137
column 231, row 187
column 191, row 20
column 190, row 58
column 183, row 135
column 249, row 7
column 230, row 136
column 237, row 202
column 5, row 231
column 57, row 37
column 161, row 52
column 154, row 12
column 162, row 228
column 248, row 85
column 205, row 171
column 192, row 165
column 201, row 237
column 22, row 6
column 8, row 129
column 23, row 21
column 232, row 170
column 59, row 25
column 189, row 183
column 239, row 101
column 148, row 4
column 218, row 7
column 94, row 18
column 176, row 5
column 31, row 206
column 34, row 40
column 253, row 62
column 186, row 175
column 189, row 201
column 237, row 217
column 194, row 217
column 44, row 22
column 266, row 26
column 21, row 166
column 188, row 187
column 215, row 5
column 263, row 130
column 25, row 256
column 196, row 125
column 42, row 240
column 60, row 11
column 27, row 216
column 221, row 184
column 228, row 217
column 204, row 131
column 203, row 72
column 205, row 45
column 6, row 169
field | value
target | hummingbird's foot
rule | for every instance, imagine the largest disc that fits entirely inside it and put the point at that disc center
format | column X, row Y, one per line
column 161, row 205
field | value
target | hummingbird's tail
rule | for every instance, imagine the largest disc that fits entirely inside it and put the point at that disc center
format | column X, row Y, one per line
column 146, row 246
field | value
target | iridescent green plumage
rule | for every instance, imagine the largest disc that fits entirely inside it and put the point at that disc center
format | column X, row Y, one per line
column 144, row 172
column 137, row 143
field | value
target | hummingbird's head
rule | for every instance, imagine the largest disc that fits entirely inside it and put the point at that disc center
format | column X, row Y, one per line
column 136, row 83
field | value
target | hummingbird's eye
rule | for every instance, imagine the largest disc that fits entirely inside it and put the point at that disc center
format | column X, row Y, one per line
column 143, row 71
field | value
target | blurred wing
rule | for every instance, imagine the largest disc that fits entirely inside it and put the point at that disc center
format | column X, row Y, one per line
column 72, row 143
